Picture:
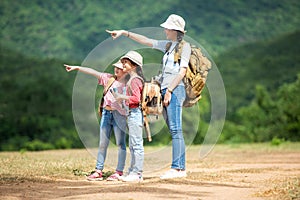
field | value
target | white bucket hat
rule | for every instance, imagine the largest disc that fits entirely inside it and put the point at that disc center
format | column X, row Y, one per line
column 174, row 22
column 134, row 57
column 118, row 64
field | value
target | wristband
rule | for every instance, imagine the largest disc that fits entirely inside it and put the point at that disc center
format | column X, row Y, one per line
column 171, row 91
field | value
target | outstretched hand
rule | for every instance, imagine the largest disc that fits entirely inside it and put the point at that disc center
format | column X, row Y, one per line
column 115, row 34
column 71, row 68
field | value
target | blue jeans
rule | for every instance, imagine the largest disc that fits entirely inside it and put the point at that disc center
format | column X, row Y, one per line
column 173, row 117
column 135, row 131
column 112, row 120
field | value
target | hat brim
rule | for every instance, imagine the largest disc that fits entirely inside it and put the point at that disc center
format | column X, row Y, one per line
column 132, row 59
column 118, row 65
column 171, row 27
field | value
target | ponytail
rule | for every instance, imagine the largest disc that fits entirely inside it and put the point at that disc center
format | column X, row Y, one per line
column 179, row 39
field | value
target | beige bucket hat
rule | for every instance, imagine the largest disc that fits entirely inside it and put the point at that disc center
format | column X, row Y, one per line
column 134, row 57
column 174, row 22
column 118, row 65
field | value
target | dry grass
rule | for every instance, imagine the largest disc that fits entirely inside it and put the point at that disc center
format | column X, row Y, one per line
column 44, row 165
column 271, row 172
column 287, row 189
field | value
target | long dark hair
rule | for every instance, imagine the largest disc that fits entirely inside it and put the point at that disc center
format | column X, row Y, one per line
column 180, row 36
column 139, row 70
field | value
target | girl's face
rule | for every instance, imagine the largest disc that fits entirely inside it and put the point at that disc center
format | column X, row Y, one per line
column 171, row 34
column 119, row 72
column 128, row 66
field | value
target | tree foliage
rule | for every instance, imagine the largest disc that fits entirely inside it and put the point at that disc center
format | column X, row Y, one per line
column 35, row 106
column 255, row 44
column 268, row 116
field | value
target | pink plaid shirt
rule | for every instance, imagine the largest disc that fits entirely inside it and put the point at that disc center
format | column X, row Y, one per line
column 109, row 99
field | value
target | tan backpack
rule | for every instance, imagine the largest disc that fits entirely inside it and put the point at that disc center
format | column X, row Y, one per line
column 196, row 74
column 151, row 103
column 152, row 99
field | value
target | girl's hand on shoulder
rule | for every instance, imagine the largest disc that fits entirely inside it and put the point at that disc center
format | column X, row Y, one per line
column 119, row 97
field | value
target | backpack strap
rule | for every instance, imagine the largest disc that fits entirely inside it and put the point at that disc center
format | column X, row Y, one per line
column 178, row 50
column 168, row 46
column 111, row 80
column 131, row 78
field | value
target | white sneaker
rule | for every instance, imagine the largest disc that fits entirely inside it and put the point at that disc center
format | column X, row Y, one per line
column 120, row 178
column 133, row 178
column 124, row 175
column 173, row 173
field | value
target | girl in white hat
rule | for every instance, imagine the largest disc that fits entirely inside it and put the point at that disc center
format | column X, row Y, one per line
column 132, row 63
column 113, row 117
column 172, row 86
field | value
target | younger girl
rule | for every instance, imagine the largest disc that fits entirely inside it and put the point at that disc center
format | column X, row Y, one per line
column 113, row 118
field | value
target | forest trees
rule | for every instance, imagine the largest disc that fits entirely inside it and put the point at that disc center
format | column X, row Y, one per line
column 268, row 116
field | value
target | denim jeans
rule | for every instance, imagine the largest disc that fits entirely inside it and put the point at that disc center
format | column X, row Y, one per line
column 173, row 117
column 135, row 131
column 112, row 120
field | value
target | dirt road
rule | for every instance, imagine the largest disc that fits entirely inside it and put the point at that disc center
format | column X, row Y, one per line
column 228, row 172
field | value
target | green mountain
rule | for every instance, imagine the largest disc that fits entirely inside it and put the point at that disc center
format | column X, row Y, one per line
column 269, row 63
column 70, row 29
